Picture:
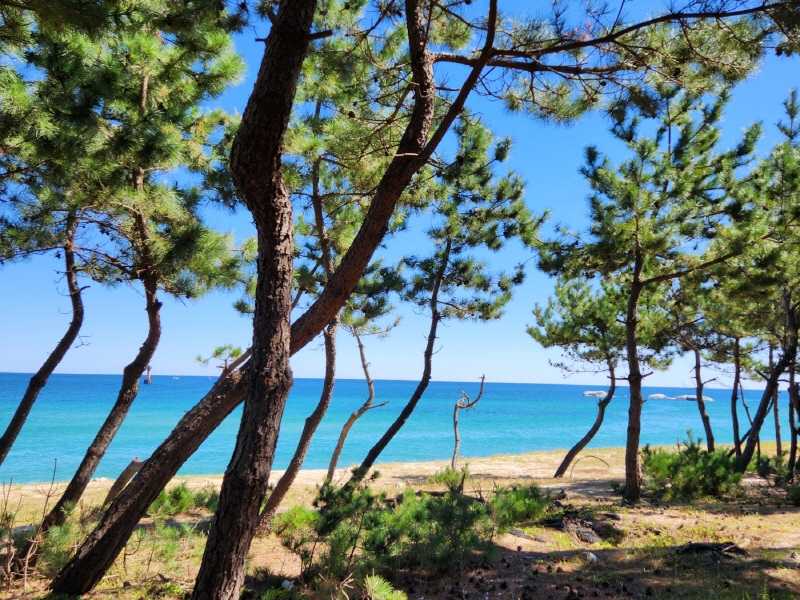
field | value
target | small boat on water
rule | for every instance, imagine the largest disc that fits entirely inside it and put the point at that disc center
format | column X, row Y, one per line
column 176, row 377
column 693, row 397
column 595, row 393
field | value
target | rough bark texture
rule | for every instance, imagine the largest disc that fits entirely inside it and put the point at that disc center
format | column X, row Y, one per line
column 356, row 415
column 633, row 484
column 102, row 546
column 257, row 173
column 701, row 405
column 786, row 359
column 127, row 394
column 39, row 380
column 601, row 411
column 309, row 428
column 737, row 376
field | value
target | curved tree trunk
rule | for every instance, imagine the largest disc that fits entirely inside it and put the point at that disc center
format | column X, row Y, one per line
column 380, row 445
column 356, row 415
column 41, row 376
column 309, row 428
column 737, row 375
column 785, row 361
column 601, row 411
column 701, row 405
column 127, row 394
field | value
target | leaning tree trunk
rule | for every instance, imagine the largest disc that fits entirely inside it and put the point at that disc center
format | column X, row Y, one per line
column 102, row 546
column 127, row 394
column 309, row 428
column 784, row 362
column 701, row 405
column 737, row 375
column 39, row 379
column 601, row 411
column 356, row 415
column 776, row 414
column 380, row 445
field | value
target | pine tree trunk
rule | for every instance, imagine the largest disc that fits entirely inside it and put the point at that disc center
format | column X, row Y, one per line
column 701, row 405
column 786, row 359
column 380, row 445
column 737, row 374
column 457, row 446
column 601, row 411
column 309, row 428
column 355, row 416
column 633, row 484
column 102, row 546
column 257, row 150
column 127, row 394
column 39, row 380
column 775, row 399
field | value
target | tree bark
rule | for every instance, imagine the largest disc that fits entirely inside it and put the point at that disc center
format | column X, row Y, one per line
column 120, row 482
column 256, row 167
column 102, row 546
column 356, row 415
column 601, row 411
column 127, row 394
column 786, row 359
column 633, row 484
column 737, row 375
column 775, row 398
column 309, row 428
column 701, row 405
column 39, row 380
column 463, row 403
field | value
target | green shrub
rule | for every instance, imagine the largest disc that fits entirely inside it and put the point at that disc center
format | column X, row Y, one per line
column 179, row 499
column 689, row 473
column 511, row 506
column 358, row 532
column 452, row 479
column 793, row 495
column 208, row 497
column 772, row 468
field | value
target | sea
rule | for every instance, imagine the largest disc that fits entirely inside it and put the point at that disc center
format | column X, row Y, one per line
column 510, row 418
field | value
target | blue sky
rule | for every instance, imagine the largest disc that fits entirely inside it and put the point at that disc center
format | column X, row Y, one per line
column 35, row 310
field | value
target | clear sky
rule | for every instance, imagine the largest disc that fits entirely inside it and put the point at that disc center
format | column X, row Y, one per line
column 34, row 310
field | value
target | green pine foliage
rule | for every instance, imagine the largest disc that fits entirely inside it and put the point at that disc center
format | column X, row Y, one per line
column 179, row 499
column 690, row 473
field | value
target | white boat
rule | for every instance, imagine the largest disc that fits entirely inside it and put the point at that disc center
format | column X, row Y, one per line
column 659, row 397
column 595, row 393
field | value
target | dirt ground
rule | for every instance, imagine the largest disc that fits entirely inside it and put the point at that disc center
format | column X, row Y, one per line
column 645, row 551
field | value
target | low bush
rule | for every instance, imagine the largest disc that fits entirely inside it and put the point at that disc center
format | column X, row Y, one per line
column 690, row 473
column 179, row 499
column 357, row 532
column 207, row 497
column 511, row 506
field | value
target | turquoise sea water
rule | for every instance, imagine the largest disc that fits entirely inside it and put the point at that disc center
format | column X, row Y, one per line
column 510, row 419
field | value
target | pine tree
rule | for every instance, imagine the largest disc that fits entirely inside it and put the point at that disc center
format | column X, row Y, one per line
column 653, row 218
